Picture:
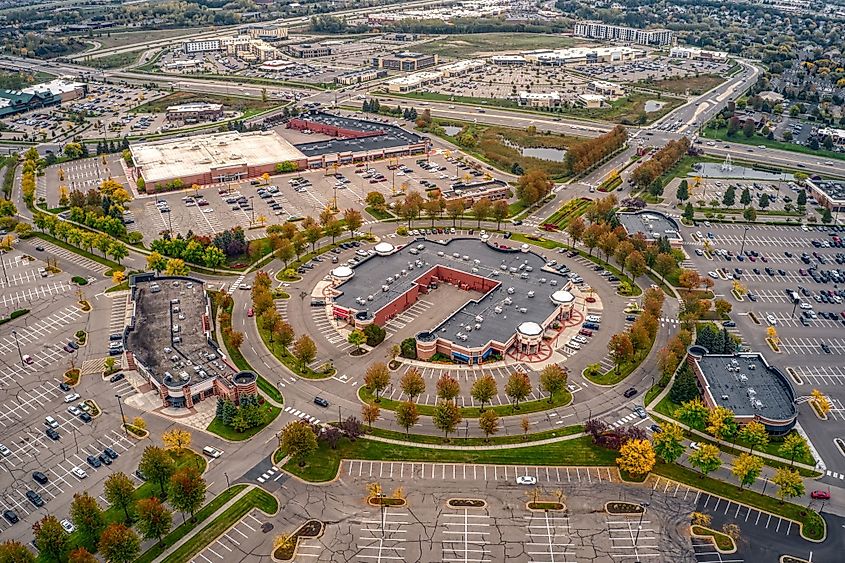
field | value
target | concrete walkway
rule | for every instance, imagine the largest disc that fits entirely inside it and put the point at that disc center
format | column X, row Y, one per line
column 474, row 448
column 201, row 525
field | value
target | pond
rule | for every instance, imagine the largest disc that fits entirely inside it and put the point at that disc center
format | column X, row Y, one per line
column 543, row 153
column 451, row 130
column 652, row 106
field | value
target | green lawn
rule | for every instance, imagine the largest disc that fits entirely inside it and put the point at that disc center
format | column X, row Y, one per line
column 680, row 85
column 562, row 399
column 322, row 465
column 757, row 139
column 58, row 242
column 229, row 433
column 612, row 377
column 723, row 542
column 286, row 358
column 232, row 103
column 474, row 44
column 116, row 60
column 184, row 529
column 379, row 214
column 512, row 439
column 256, row 498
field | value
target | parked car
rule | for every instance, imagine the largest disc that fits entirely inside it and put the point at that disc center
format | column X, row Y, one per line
column 526, row 480
column 68, row 526
column 39, row 478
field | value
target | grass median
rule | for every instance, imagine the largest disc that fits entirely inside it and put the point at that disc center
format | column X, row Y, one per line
column 561, row 399
column 494, row 440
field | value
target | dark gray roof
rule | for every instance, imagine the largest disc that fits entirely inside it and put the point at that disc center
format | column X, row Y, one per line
column 651, row 224
column 372, row 274
column 390, row 136
column 748, row 385
column 833, row 189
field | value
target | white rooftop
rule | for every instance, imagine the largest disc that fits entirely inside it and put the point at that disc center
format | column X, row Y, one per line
column 530, row 328
column 194, row 106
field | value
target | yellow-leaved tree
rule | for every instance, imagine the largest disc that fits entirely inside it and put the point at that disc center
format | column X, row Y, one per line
column 636, row 457
column 176, row 438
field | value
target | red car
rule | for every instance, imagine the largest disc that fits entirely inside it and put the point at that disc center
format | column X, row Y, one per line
column 250, row 312
column 821, row 495
column 585, row 332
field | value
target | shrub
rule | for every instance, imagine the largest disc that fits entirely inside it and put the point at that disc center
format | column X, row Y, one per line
column 409, row 349
column 79, row 280
column 375, row 335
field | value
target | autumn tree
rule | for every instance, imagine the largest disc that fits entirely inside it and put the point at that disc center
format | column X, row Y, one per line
column 820, row 401
column 489, row 423
column 754, row 434
column 353, row 220
column 50, row 537
column 370, row 413
column 407, row 415
column 669, row 444
column 187, row 490
column 412, row 383
column 377, row 378
column 518, row 387
column 87, row 516
column 636, row 457
column 119, row 544
column 621, row 349
column 448, row 388
column 157, row 465
column 446, row 417
column 484, row 389
column 794, row 446
column 746, row 468
column 12, row 551
column 720, row 422
column 154, row 519
column 552, row 380
column 304, row 350
column 298, row 441
column 120, row 493
column 176, row 438
column 533, row 186
column 693, row 413
column 706, row 459
column 789, row 483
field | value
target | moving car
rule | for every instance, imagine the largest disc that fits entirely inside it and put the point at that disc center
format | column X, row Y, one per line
column 821, row 495
column 630, row 392
column 212, row 452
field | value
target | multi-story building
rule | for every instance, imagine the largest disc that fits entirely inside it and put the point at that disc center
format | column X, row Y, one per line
column 194, row 112
column 539, row 99
column 599, row 30
column 308, row 50
column 405, row 61
column 359, row 76
column 268, row 32
column 202, row 46
column 605, row 88
column 696, row 53
column 413, row 81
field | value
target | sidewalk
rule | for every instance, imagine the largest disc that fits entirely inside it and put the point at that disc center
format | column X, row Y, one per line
column 514, row 446
column 202, row 524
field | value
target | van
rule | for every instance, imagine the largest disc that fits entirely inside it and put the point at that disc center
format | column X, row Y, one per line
column 51, row 422
column 212, row 452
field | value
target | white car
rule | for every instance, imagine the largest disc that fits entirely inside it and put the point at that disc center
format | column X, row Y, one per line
column 74, row 411
column 244, row 286
column 68, row 526
column 5, row 451
column 579, row 338
column 772, row 320
column 574, row 345
column 713, row 275
column 526, row 480
column 79, row 472
column 805, row 305
column 71, row 398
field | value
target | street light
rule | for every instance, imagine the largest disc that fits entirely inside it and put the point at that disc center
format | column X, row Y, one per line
column 252, row 208
column 741, row 248
column 643, row 505
column 3, row 261
column 122, row 417
column 18, row 344
column 227, row 480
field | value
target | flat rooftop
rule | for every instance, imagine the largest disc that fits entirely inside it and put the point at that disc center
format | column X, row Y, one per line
column 392, row 136
column 651, row 224
column 832, row 189
column 151, row 341
column 189, row 156
column 463, row 254
column 752, row 387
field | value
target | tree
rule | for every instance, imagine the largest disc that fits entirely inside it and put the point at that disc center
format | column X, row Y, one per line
column 187, row 490
column 481, row 209
column 669, row 444
column 236, row 338
column 120, row 492
column 722, row 307
column 489, row 423
column 621, row 349
column 177, row 438
column 154, row 519
column 636, row 457
column 156, row 262
column 745, row 197
column 750, row 214
column 353, row 220
column 50, row 537
column 304, row 350
column 754, row 434
column 533, row 186
column 298, row 440
column 636, row 264
column 12, row 551
column 118, row 251
column 356, row 338
column 827, row 218
column 748, row 128
column 87, row 516
column 746, row 469
column 730, row 197
column 370, row 413
column 794, row 446
column 720, row 422
column 518, row 387
column 446, row 417
column 689, row 212
column 706, row 459
column 484, row 389
column 412, row 383
column 693, row 413
column 789, row 483
column 552, row 380
column 499, row 212
column 119, row 544
column 176, row 267
column 683, row 191
column 820, row 401
column 772, row 335
column 448, row 387
column 801, row 200
column 377, row 378
column 407, row 415
column 157, row 465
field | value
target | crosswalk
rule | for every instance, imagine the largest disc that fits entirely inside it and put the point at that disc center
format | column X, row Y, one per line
column 302, row 416
column 835, row 474
column 269, row 474
column 235, row 284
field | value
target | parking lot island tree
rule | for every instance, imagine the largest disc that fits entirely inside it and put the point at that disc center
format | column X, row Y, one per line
column 119, row 491
column 377, row 378
column 412, row 383
column 52, row 540
column 187, row 490
column 746, row 468
column 448, row 388
column 154, row 519
column 669, row 443
column 552, row 380
column 636, row 457
column 517, row 388
column 706, row 459
column 484, row 389
column 789, row 482
column 158, row 466
column 298, row 441
column 119, row 544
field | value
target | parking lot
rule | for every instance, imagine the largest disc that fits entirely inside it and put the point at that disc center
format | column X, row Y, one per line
column 238, row 543
column 651, row 68
column 80, row 175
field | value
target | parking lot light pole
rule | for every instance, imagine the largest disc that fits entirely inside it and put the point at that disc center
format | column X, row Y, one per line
column 18, row 344
column 794, row 305
column 122, row 417
column 3, row 261
column 228, row 486
column 643, row 505
column 741, row 248
column 252, row 207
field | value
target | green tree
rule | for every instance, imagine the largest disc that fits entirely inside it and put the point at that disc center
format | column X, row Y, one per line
column 764, row 201
column 157, row 465
column 484, row 389
column 120, row 492
column 789, row 483
column 754, row 434
column 689, row 212
column 750, row 214
column 356, row 338
column 87, row 516
column 669, row 444
column 50, row 537
column 552, row 380
column 298, row 441
column 187, row 490
column 156, row 262
column 683, row 191
column 446, row 417
column 706, row 459
column 745, row 197
column 730, row 197
column 746, row 469
column 119, row 544
column 693, row 413
column 794, row 446
column 827, row 218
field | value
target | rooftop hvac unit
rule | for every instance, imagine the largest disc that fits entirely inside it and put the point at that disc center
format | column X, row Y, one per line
column 465, row 257
column 513, row 270
column 743, row 377
column 724, row 397
column 752, row 366
column 385, row 288
column 529, row 268
column 441, row 254
column 390, row 279
column 494, row 273
column 530, row 294
column 464, row 337
column 456, row 255
column 404, row 272
column 542, row 280
column 476, row 262
column 468, row 328
column 751, row 392
column 369, row 298
column 504, row 267
column 479, row 319
column 474, row 270
column 508, row 301
column 522, row 266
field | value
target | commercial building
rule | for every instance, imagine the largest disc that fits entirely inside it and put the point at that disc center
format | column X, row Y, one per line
column 405, row 61
column 508, row 60
column 359, row 76
column 470, row 192
column 590, row 101
column 202, row 46
column 411, row 82
column 512, row 300
column 828, row 193
column 461, row 68
column 599, row 30
column 651, row 225
column 837, row 136
column 539, row 99
column 605, row 88
column 39, row 96
column 210, row 158
column 308, row 50
column 194, row 112
column 696, row 53
column 170, row 342
column 249, row 49
column 583, row 55
column 268, row 32
column 64, row 90
column 746, row 384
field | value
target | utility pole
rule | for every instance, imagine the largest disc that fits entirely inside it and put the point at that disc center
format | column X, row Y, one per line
column 18, row 344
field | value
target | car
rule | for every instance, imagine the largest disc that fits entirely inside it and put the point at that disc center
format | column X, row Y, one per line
column 820, row 495
column 39, row 248
column 212, row 452
column 71, row 397
column 526, row 480
column 771, row 320
column 655, row 428
column 85, row 417
column 320, row 401
column 245, row 286
column 713, row 275
column 585, row 332
column 630, row 392
column 73, row 410
column 250, row 312
column 68, row 526
column 35, row 498
column 104, row 459
column 64, row 386
column 52, row 434
column 695, row 446
column 27, row 359
column 640, row 412
column 73, row 345
column 5, row 451
column 39, row 478
column 729, row 324
column 93, row 461
column 117, row 377
column 11, row 516
column 79, row 472
column 825, row 347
